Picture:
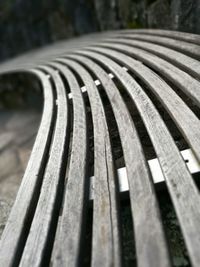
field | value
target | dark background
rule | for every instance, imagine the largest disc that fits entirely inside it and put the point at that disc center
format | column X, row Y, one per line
column 26, row 24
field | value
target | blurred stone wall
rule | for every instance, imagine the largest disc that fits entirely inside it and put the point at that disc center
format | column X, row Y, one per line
column 26, row 24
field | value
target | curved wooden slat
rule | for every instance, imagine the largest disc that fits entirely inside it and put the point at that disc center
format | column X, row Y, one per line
column 184, row 81
column 143, row 200
column 49, row 52
column 32, row 229
column 37, row 244
column 187, row 63
column 187, row 37
column 189, row 124
column 192, row 50
column 71, row 230
column 184, row 193
column 17, row 227
column 106, row 234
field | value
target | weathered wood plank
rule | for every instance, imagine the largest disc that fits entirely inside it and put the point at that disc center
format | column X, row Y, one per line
column 190, row 49
column 183, row 80
column 17, row 227
column 190, row 65
column 39, row 238
column 187, row 37
column 184, row 193
column 71, row 233
column 189, row 124
column 142, row 195
column 106, row 232
column 173, row 56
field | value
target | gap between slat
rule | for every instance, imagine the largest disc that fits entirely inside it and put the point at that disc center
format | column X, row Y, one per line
column 157, row 175
column 97, row 82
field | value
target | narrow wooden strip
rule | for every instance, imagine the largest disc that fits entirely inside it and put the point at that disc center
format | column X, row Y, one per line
column 150, row 241
column 76, row 43
column 184, row 193
column 184, row 81
column 187, row 40
column 187, row 37
column 190, row 65
column 37, row 244
column 189, row 124
column 71, row 234
column 190, row 49
column 17, row 227
column 156, row 172
column 106, row 248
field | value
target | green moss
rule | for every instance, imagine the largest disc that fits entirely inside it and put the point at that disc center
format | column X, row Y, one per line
column 134, row 25
column 6, row 8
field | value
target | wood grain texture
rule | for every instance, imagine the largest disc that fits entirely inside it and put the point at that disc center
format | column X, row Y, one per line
column 181, row 79
column 71, row 233
column 188, row 124
column 17, row 227
column 47, row 224
column 106, row 232
column 184, row 193
column 190, row 65
column 38, row 241
column 187, row 37
column 143, row 200
column 182, row 46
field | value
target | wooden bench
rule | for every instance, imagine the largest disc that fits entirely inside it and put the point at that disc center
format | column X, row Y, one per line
column 155, row 74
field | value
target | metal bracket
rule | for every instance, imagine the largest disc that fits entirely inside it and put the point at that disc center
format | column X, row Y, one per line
column 156, row 171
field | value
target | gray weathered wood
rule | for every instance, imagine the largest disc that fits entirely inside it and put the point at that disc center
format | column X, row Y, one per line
column 187, row 37
column 40, row 232
column 153, row 253
column 47, row 222
column 106, row 232
column 187, row 63
column 183, row 80
column 17, row 227
column 182, row 46
column 178, row 179
column 189, row 124
column 71, row 231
